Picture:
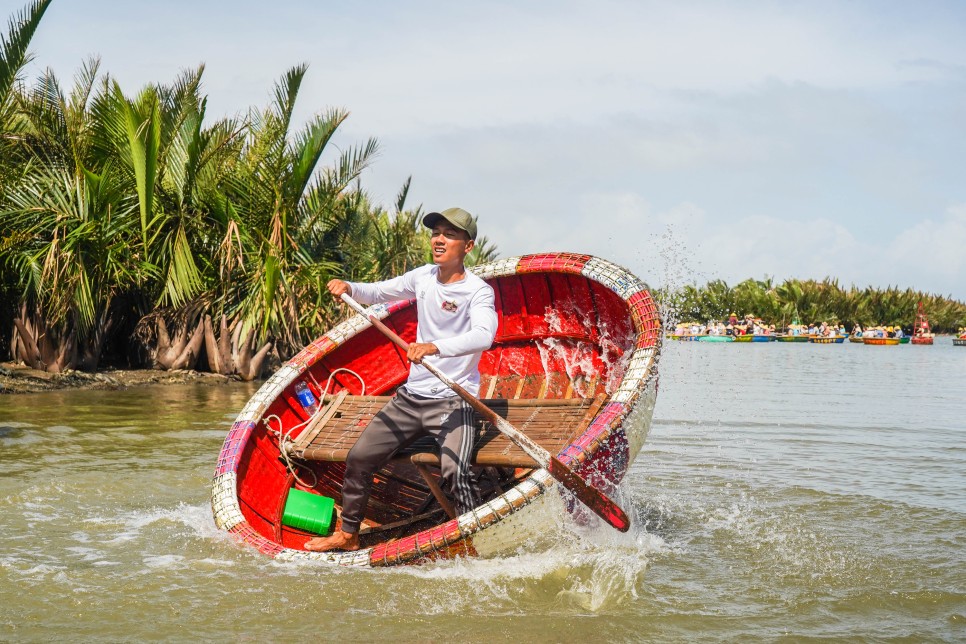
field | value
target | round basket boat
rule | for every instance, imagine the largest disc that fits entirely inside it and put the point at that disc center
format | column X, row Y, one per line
column 575, row 354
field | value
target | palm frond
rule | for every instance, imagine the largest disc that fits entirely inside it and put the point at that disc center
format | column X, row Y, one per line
column 13, row 44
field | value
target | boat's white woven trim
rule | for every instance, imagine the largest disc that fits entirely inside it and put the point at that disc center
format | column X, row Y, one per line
column 635, row 377
column 357, row 558
column 268, row 392
column 637, row 424
column 614, row 277
column 347, row 329
column 380, row 311
column 224, row 501
column 499, row 268
column 513, row 500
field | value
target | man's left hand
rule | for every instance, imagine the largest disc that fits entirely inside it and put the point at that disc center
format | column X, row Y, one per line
column 419, row 350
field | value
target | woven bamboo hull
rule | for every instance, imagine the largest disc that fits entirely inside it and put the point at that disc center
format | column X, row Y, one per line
column 569, row 325
column 881, row 341
column 921, row 340
column 791, row 338
column 837, row 339
column 959, row 342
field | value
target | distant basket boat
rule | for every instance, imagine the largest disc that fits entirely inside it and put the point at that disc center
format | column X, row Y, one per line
column 959, row 342
column 575, row 353
column 716, row 338
column 748, row 337
column 685, row 337
column 881, row 341
column 791, row 338
column 857, row 339
column 921, row 332
column 832, row 339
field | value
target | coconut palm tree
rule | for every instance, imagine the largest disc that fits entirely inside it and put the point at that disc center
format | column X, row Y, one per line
column 174, row 163
column 75, row 258
column 14, row 55
column 73, row 207
column 283, row 209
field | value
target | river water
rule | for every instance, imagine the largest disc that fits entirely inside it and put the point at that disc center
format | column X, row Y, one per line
column 801, row 491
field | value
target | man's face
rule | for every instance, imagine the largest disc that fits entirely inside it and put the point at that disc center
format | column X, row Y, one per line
column 449, row 243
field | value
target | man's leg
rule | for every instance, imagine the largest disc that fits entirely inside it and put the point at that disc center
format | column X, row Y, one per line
column 454, row 432
column 396, row 425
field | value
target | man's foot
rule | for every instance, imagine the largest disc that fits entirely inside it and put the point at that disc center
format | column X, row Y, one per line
column 338, row 540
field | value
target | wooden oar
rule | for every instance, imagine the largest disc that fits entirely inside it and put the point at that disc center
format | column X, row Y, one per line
column 590, row 496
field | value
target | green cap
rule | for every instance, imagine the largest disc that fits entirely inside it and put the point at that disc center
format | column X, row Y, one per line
column 456, row 216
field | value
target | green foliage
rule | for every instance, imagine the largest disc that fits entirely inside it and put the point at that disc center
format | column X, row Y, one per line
column 810, row 301
column 107, row 195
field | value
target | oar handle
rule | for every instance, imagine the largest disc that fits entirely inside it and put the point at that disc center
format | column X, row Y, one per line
column 389, row 333
column 590, row 496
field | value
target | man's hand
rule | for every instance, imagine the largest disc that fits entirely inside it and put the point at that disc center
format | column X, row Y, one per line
column 338, row 287
column 419, row 350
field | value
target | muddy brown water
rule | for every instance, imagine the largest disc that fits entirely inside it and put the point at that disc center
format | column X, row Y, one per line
column 802, row 491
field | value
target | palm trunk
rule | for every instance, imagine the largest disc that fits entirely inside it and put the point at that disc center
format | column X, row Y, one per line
column 229, row 354
column 181, row 349
column 40, row 346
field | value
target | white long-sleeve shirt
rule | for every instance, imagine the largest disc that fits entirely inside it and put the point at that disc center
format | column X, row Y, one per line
column 459, row 318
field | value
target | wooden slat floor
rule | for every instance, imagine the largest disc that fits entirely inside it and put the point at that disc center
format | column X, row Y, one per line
column 551, row 423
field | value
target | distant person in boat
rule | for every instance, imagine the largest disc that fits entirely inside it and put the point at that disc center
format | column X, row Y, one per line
column 456, row 322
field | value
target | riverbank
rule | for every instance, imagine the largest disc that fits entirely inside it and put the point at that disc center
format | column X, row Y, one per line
column 20, row 379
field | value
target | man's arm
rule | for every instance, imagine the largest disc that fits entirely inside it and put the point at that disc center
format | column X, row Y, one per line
column 397, row 288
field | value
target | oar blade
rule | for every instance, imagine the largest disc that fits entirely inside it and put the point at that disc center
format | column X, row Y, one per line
column 593, row 498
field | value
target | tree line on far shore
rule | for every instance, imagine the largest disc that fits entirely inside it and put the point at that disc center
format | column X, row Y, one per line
column 811, row 301
column 135, row 231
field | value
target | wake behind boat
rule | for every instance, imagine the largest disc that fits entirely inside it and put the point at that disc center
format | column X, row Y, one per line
column 575, row 353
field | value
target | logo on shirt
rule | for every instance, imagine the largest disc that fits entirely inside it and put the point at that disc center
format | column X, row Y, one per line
column 449, row 305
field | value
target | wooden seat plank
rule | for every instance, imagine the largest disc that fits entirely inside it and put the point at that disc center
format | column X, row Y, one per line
column 550, row 422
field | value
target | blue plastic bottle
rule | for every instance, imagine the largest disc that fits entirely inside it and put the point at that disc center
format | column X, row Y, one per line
column 308, row 400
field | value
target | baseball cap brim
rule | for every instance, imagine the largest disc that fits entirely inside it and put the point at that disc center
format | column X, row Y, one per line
column 455, row 216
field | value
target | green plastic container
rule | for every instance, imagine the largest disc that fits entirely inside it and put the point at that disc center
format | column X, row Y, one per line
column 309, row 512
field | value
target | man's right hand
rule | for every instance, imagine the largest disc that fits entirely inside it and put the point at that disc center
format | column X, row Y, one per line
column 338, row 287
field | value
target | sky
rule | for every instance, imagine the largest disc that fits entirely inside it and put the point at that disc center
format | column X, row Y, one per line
column 686, row 141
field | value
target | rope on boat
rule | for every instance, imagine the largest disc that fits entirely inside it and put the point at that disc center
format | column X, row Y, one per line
column 285, row 439
column 285, row 436
column 324, row 392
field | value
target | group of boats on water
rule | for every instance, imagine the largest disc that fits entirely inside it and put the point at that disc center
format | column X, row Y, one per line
column 752, row 329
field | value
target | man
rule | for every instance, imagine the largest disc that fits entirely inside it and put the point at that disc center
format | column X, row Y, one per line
column 456, row 322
